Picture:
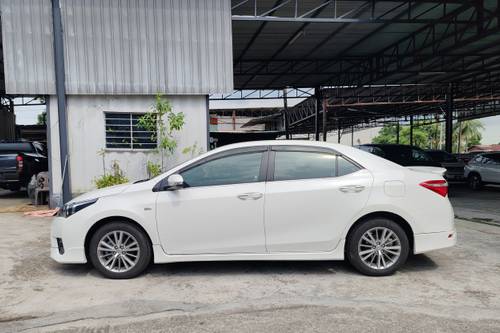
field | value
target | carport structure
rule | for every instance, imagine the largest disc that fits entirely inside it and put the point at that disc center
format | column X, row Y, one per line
column 363, row 63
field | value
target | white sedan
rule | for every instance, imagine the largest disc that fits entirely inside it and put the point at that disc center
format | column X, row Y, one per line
column 266, row 200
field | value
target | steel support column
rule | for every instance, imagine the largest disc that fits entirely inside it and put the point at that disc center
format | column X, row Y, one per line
column 285, row 114
column 324, row 118
column 411, row 130
column 61, row 99
column 449, row 119
column 339, row 132
column 317, row 105
column 397, row 132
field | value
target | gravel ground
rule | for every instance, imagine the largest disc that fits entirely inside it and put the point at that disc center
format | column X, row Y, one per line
column 451, row 290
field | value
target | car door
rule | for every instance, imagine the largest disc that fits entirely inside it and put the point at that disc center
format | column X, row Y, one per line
column 491, row 168
column 311, row 196
column 221, row 207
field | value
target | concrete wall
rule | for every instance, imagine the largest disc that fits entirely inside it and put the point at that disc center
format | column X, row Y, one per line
column 86, row 132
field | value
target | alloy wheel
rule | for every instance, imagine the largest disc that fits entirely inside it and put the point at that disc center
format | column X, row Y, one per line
column 379, row 248
column 118, row 251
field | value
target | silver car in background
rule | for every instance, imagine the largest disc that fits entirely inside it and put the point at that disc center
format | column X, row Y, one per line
column 483, row 169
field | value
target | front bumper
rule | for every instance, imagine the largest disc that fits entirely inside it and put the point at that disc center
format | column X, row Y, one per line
column 74, row 251
column 435, row 241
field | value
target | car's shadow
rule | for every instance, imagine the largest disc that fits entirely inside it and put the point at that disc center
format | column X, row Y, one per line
column 415, row 263
column 7, row 194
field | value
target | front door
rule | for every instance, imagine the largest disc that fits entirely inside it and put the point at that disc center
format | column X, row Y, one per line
column 221, row 208
column 312, row 197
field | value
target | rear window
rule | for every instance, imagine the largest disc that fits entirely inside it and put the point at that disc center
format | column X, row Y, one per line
column 14, row 148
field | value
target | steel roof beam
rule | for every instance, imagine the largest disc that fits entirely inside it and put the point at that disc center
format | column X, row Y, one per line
column 289, row 41
column 255, row 35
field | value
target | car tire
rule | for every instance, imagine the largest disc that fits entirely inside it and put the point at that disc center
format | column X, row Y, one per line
column 371, row 255
column 475, row 181
column 120, row 250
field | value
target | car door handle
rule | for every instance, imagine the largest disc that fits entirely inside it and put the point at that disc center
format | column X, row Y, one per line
column 250, row 196
column 351, row 188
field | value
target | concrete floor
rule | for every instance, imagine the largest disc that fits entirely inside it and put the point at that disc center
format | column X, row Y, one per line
column 451, row 290
column 481, row 206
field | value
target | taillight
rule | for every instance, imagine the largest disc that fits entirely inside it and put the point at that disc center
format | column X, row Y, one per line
column 20, row 163
column 438, row 186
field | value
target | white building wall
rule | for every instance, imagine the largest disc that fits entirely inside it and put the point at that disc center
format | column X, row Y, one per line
column 86, row 134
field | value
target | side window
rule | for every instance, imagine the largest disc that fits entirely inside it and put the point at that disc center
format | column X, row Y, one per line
column 478, row 159
column 289, row 165
column 345, row 167
column 233, row 169
column 495, row 159
column 490, row 159
column 419, row 155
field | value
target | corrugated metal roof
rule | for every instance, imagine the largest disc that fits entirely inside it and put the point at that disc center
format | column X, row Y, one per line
column 120, row 46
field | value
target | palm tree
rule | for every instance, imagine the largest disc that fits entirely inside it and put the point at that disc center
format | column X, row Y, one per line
column 467, row 133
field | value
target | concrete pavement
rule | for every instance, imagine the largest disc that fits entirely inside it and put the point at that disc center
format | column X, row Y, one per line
column 451, row 290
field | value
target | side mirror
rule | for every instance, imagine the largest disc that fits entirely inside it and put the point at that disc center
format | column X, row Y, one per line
column 175, row 182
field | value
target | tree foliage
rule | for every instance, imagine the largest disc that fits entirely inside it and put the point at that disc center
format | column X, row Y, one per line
column 431, row 136
column 41, row 118
column 164, row 123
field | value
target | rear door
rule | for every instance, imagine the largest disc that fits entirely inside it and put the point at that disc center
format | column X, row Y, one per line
column 491, row 168
column 311, row 195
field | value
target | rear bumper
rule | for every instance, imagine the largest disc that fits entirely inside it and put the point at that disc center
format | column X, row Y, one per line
column 73, row 252
column 435, row 241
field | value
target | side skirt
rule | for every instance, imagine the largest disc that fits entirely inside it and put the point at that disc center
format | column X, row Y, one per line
column 337, row 254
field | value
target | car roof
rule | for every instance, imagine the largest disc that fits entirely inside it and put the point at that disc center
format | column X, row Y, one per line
column 489, row 153
column 395, row 145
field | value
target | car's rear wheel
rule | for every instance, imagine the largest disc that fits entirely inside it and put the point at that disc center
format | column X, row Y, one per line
column 377, row 247
column 119, row 250
column 475, row 181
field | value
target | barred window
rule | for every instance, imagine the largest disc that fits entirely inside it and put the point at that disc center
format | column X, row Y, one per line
column 123, row 131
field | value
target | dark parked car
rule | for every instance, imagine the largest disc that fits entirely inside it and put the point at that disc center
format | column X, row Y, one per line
column 404, row 155
column 454, row 167
column 19, row 161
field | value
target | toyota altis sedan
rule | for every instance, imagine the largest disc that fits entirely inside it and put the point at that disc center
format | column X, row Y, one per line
column 267, row 200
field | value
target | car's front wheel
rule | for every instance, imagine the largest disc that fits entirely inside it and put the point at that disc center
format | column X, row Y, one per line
column 119, row 250
column 475, row 181
column 377, row 247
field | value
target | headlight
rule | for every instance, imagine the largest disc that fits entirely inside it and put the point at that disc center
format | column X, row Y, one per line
column 71, row 208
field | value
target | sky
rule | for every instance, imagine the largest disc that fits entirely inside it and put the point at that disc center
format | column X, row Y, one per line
column 27, row 115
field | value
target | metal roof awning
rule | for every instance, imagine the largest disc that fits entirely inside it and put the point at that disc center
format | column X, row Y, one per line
column 309, row 43
column 374, row 61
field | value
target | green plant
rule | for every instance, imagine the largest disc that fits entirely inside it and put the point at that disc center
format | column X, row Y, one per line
column 163, row 123
column 193, row 150
column 154, row 169
column 115, row 177
column 41, row 118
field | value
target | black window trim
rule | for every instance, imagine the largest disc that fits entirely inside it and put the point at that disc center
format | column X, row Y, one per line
column 305, row 149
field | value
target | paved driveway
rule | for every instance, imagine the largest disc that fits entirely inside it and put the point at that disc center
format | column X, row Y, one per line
column 482, row 205
column 451, row 290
